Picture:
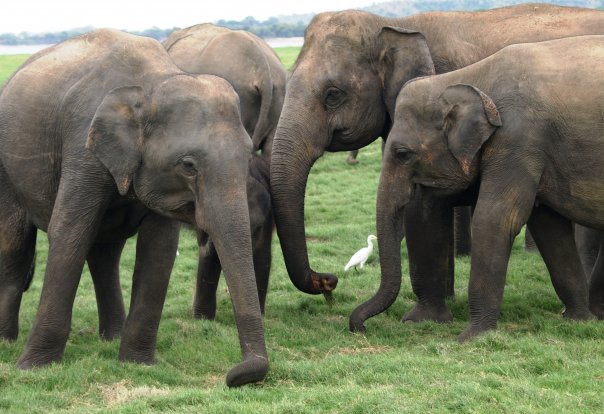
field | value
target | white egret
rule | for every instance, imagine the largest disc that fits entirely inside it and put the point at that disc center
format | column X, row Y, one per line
column 360, row 257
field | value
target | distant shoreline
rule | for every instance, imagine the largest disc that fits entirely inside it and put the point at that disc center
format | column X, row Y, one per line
column 30, row 49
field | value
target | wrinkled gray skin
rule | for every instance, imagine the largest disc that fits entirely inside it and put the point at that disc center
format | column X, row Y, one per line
column 514, row 131
column 341, row 95
column 261, row 227
column 247, row 62
column 101, row 137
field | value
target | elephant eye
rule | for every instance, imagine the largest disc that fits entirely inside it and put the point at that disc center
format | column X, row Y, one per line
column 405, row 155
column 188, row 166
column 333, row 97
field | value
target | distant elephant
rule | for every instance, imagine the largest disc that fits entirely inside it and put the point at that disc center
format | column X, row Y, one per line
column 247, row 62
column 512, row 132
column 341, row 95
column 101, row 137
column 261, row 222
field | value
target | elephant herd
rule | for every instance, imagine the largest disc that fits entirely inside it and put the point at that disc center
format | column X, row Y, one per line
column 108, row 135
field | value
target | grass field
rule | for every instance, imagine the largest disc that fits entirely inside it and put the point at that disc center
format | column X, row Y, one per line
column 535, row 362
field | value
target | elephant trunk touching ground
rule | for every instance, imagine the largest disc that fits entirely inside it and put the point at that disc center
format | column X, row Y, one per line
column 389, row 216
column 230, row 236
column 291, row 161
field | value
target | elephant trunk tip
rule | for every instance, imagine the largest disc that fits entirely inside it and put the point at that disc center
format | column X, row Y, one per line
column 252, row 370
column 356, row 322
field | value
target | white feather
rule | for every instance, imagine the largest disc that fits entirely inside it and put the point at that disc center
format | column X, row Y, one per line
column 360, row 257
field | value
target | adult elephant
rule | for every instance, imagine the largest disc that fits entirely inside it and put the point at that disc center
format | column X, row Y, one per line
column 101, row 137
column 514, row 130
column 340, row 97
column 247, row 62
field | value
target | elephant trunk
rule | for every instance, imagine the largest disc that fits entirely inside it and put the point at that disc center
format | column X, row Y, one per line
column 389, row 216
column 292, row 158
column 225, row 217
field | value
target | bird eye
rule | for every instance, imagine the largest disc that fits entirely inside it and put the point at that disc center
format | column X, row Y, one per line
column 333, row 97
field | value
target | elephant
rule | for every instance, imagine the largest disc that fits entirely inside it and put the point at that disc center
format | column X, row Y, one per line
column 515, row 133
column 261, row 222
column 101, row 137
column 249, row 64
column 341, row 94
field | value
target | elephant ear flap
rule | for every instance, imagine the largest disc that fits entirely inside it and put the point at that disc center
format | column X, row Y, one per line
column 470, row 118
column 116, row 131
column 404, row 55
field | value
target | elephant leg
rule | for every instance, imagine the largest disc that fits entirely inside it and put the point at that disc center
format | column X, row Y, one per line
column 104, row 264
column 17, row 249
column 262, row 262
column 596, row 283
column 529, row 242
column 429, row 233
column 463, row 234
column 588, row 246
column 155, row 254
column 76, row 216
column 496, row 221
column 208, row 274
column 352, row 157
column 553, row 235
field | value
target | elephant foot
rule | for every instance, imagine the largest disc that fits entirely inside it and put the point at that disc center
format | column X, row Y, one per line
column 597, row 309
column 30, row 360
column 350, row 160
column 421, row 313
column 10, row 333
column 579, row 314
column 253, row 369
column 472, row 331
column 110, row 333
column 139, row 354
column 204, row 313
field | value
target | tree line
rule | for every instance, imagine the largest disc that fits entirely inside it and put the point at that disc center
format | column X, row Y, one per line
column 292, row 26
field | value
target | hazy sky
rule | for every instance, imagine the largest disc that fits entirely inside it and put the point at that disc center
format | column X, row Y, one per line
column 55, row 15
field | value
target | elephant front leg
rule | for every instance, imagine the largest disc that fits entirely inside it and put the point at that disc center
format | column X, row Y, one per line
column 73, row 226
column 155, row 254
column 208, row 274
column 553, row 235
column 500, row 213
column 104, row 264
column 429, row 232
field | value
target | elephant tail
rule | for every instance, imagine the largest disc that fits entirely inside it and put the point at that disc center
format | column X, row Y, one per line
column 30, row 274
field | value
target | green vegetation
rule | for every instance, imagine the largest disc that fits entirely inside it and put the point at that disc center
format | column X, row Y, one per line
column 8, row 64
column 535, row 362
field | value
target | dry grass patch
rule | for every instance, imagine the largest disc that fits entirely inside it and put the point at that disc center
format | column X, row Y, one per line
column 124, row 391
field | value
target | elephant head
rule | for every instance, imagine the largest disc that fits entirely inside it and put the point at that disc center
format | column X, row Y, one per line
column 434, row 143
column 181, row 149
column 339, row 96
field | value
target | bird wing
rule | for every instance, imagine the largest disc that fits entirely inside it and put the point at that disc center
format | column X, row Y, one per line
column 357, row 258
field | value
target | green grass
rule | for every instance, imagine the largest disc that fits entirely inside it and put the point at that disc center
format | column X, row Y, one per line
column 535, row 361
column 8, row 64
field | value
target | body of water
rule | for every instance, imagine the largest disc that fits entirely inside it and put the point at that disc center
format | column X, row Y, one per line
column 29, row 49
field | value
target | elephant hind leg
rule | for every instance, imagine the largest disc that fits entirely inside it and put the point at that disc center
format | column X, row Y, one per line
column 596, row 284
column 208, row 274
column 553, row 235
column 104, row 264
column 17, row 251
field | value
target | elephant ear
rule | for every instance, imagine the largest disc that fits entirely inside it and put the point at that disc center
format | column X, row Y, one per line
column 470, row 118
column 404, row 55
column 116, row 131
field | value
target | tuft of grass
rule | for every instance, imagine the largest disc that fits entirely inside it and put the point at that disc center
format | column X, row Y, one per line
column 535, row 362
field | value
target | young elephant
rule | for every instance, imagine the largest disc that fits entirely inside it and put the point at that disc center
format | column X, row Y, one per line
column 101, row 137
column 519, row 129
column 261, row 227
column 247, row 62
